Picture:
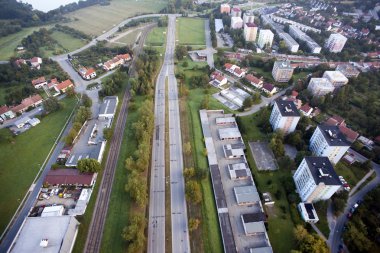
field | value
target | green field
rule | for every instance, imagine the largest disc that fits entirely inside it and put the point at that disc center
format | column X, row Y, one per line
column 129, row 38
column 156, row 37
column 191, row 31
column 351, row 173
column 96, row 19
column 21, row 159
column 67, row 41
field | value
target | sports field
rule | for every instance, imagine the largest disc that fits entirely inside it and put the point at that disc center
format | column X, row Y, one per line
column 96, row 19
column 21, row 159
column 191, row 31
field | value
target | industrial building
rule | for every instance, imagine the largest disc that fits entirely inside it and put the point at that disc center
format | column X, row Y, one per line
column 234, row 151
column 108, row 108
column 231, row 133
column 253, row 223
column 239, row 171
column 246, row 195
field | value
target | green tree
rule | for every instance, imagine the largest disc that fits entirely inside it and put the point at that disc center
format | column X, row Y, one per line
column 188, row 173
column 107, row 133
column 193, row 224
column 70, row 137
column 51, row 104
column 137, row 188
column 187, row 148
column 86, row 100
column 193, row 191
column 89, row 165
column 134, row 233
column 83, row 114
column 277, row 144
column 247, row 103
column 309, row 243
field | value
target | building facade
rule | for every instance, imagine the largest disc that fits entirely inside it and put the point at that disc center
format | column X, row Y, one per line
column 265, row 38
column 330, row 142
column 336, row 78
column 282, row 71
column 320, row 86
column 292, row 45
column 296, row 33
column 250, row 31
column 248, row 17
column 335, row 43
column 225, row 8
column 284, row 116
column 236, row 23
column 315, row 179
column 236, row 12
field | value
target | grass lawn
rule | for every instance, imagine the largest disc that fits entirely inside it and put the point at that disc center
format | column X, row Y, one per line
column 156, row 37
column 351, row 173
column 191, row 31
column 67, row 41
column 9, row 43
column 322, row 224
column 96, row 19
column 21, row 160
column 129, row 38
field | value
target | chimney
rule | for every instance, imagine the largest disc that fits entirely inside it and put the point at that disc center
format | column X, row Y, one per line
column 44, row 243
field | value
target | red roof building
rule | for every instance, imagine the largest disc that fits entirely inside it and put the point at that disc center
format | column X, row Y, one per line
column 258, row 83
column 39, row 82
column 306, row 110
column 31, row 101
column 69, row 177
column 63, row 86
column 350, row 134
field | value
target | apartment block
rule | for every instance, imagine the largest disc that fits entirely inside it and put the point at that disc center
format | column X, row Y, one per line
column 250, row 32
column 284, row 116
column 265, row 38
column 336, row 78
column 320, row 86
column 335, row 43
column 282, row 71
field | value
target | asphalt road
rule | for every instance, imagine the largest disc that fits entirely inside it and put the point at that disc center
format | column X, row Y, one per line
column 180, row 234
column 335, row 237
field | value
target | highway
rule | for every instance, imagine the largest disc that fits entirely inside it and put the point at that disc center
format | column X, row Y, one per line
column 180, row 234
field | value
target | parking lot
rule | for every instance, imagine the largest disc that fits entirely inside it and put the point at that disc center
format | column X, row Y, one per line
column 263, row 155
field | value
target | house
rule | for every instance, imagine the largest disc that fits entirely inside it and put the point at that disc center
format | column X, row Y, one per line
column 69, row 177
column 218, row 79
column 52, row 83
column 294, row 94
column 306, row 110
column 20, row 62
column 238, row 72
column 39, row 82
column 26, row 103
column 6, row 113
column 335, row 121
column 35, row 62
column 269, row 88
column 116, row 61
column 258, row 83
column 87, row 74
column 350, row 134
column 63, row 86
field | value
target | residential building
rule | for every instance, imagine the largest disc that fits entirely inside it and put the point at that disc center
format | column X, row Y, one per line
column 86, row 73
column 225, row 8
column 250, row 32
column 218, row 79
column 282, row 71
column 320, row 86
column 63, row 86
column 219, row 25
column 35, row 62
column 236, row 12
column 284, row 116
column 330, row 142
column 292, row 45
column 52, row 83
column 300, row 35
column 39, row 82
column 306, row 110
column 269, row 88
column 235, row 70
column 265, row 38
column 315, row 179
column 348, row 70
column 248, row 17
column 20, row 62
column 6, row 113
column 236, row 23
column 54, row 234
column 336, row 78
column 258, row 83
column 308, row 212
column 116, row 61
column 335, row 43
column 26, row 103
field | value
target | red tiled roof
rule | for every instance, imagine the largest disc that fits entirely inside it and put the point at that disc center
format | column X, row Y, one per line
column 89, row 72
column 227, row 65
column 253, row 79
column 294, row 93
column 27, row 102
column 236, row 9
column 220, row 78
column 3, row 109
column 125, row 57
column 65, row 84
column 305, row 108
column 38, row 80
column 238, row 71
column 68, row 177
column 338, row 119
column 35, row 59
column 349, row 133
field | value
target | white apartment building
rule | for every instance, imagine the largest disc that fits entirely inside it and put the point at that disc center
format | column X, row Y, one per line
column 292, row 45
column 315, row 179
column 236, row 23
column 248, row 17
column 320, row 86
column 265, row 38
column 282, row 71
column 336, row 78
column 236, row 12
column 296, row 33
column 336, row 42
column 330, row 142
column 284, row 116
column 250, row 32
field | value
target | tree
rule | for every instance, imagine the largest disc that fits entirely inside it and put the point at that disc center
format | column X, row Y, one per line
column 247, row 103
column 137, row 188
column 193, row 191
column 134, row 233
column 51, row 104
column 188, row 173
column 180, row 52
column 83, row 114
column 86, row 100
column 205, row 102
column 277, row 144
column 193, row 224
column 71, row 136
column 187, row 148
column 70, row 92
column 107, row 133
column 339, row 202
column 89, row 165
column 309, row 243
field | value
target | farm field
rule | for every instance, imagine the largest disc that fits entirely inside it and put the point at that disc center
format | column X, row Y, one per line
column 20, row 162
column 191, row 31
column 96, row 19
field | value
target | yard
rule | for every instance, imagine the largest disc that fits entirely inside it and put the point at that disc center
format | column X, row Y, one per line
column 21, row 159
column 96, row 19
column 191, row 31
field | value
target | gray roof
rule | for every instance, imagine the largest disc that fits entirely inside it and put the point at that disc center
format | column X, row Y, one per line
column 333, row 135
column 322, row 170
column 287, row 108
column 253, row 217
column 60, row 236
column 267, row 249
column 283, row 64
column 109, row 105
column 246, row 194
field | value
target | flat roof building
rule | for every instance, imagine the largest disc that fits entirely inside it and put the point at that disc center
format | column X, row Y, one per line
column 225, row 121
column 315, row 179
column 250, row 31
column 239, row 171
column 265, row 38
column 335, row 43
column 266, row 249
column 308, row 212
column 232, row 151
column 292, row 45
column 236, row 23
column 253, row 223
column 46, row 235
column 246, row 195
column 248, row 17
column 348, row 70
column 320, row 86
column 284, row 116
column 53, row 211
column 231, row 133
column 282, row 71
column 225, row 8
column 219, row 25
column 336, row 78
column 310, row 43
column 108, row 108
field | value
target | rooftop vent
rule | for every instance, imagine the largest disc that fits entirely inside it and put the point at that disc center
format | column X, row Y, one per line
column 322, row 174
column 331, row 134
column 287, row 109
column 44, row 243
